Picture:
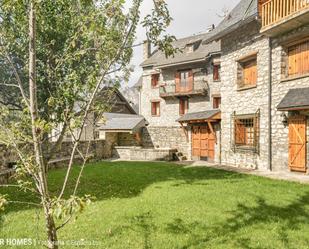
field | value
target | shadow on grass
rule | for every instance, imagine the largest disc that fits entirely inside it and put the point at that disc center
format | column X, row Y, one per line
column 286, row 219
column 198, row 234
column 107, row 180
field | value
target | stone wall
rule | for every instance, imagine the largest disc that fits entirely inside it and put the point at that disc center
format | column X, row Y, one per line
column 239, row 44
column 127, row 139
column 98, row 149
column 281, row 85
column 166, row 137
column 143, row 154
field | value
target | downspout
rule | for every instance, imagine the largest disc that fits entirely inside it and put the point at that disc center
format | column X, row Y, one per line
column 270, row 67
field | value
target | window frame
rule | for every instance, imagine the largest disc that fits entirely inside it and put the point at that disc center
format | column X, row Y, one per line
column 189, row 86
column 185, row 72
column 243, row 64
column 218, row 67
column 255, row 133
column 155, row 79
column 158, row 108
column 183, row 109
column 213, row 102
column 298, row 45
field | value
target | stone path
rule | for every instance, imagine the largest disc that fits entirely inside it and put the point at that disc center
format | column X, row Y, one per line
column 279, row 175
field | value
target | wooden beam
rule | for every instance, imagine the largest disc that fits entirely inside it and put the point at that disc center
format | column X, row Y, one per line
column 212, row 130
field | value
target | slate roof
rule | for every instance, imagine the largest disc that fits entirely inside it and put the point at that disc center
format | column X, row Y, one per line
column 106, row 92
column 244, row 12
column 295, row 99
column 158, row 58
column 198, row 115
column 119, row 121
column 139, row 83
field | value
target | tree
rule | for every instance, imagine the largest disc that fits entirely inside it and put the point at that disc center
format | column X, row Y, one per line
column 56, row 57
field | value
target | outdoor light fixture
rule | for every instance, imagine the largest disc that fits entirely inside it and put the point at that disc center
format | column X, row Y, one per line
column 285, row 120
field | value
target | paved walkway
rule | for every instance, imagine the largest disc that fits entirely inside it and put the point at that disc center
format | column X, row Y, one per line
column 279, row 175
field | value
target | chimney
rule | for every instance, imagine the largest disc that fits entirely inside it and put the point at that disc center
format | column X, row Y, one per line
column 146, row 49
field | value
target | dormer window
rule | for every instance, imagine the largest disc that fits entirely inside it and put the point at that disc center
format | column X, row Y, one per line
column 191, row 47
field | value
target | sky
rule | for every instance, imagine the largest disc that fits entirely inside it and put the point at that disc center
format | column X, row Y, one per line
column 190, row 17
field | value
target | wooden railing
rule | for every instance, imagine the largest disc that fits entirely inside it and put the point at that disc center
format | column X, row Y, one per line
column 274, row 11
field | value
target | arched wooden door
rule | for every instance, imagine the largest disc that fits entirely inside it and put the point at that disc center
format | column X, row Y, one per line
column 203, row 143
column 297, row 143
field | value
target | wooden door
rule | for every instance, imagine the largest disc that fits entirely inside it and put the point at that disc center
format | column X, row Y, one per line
column 203, row 143
column 297, row 143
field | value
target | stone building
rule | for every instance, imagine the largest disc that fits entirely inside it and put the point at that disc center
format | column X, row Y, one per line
column 178, row 95
column 263, row 120
column 265, row 55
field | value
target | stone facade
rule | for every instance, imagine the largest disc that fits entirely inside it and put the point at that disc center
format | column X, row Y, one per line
column 237, row 45
column 163, row 137
column 244, row 41
column 281, row 85
column 164, row 131
column 169, row 108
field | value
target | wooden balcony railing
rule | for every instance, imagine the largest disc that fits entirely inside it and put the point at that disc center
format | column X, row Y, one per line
column 275, row 11
column 170, row 90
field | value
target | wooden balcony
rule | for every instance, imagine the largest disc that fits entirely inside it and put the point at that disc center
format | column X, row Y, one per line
column 279, row 16
column 171, row 91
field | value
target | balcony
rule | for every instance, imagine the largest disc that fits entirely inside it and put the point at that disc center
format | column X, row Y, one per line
column 200, row 88
column 279, row 16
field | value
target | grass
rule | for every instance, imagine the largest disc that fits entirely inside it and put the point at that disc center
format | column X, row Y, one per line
column 161, row 205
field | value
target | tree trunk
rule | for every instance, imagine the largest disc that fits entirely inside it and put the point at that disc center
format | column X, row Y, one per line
column 37, row 134
column 52, row 239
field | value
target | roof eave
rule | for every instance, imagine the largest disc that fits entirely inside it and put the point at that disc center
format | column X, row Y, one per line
column 293, row 108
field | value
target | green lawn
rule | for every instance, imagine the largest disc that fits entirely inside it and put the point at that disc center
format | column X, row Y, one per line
column 161, row 205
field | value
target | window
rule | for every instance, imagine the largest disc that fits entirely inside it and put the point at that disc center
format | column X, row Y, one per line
column 247, row 72
column 155, row 80
column 190, row 48
column 246, row 131
column 184, row 78
column 216, row 102
column 155, row 108
column 298, row 59
column 216, row 72
column 184, row 81
column 183, row 106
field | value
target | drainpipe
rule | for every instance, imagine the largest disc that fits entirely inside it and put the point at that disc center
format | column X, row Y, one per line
column 270, row 158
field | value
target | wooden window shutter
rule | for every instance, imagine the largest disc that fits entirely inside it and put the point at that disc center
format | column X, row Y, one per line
column 250, row 73
column 240, row 131
column 153, row 108
column 216, row 72
column 298, row 59
column 191, row 81
column 183, row 106
column 216, row 102
column 155, row 80
column 177, row 81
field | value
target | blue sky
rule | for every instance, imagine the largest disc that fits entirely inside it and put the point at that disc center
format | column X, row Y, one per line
column 190, row 17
